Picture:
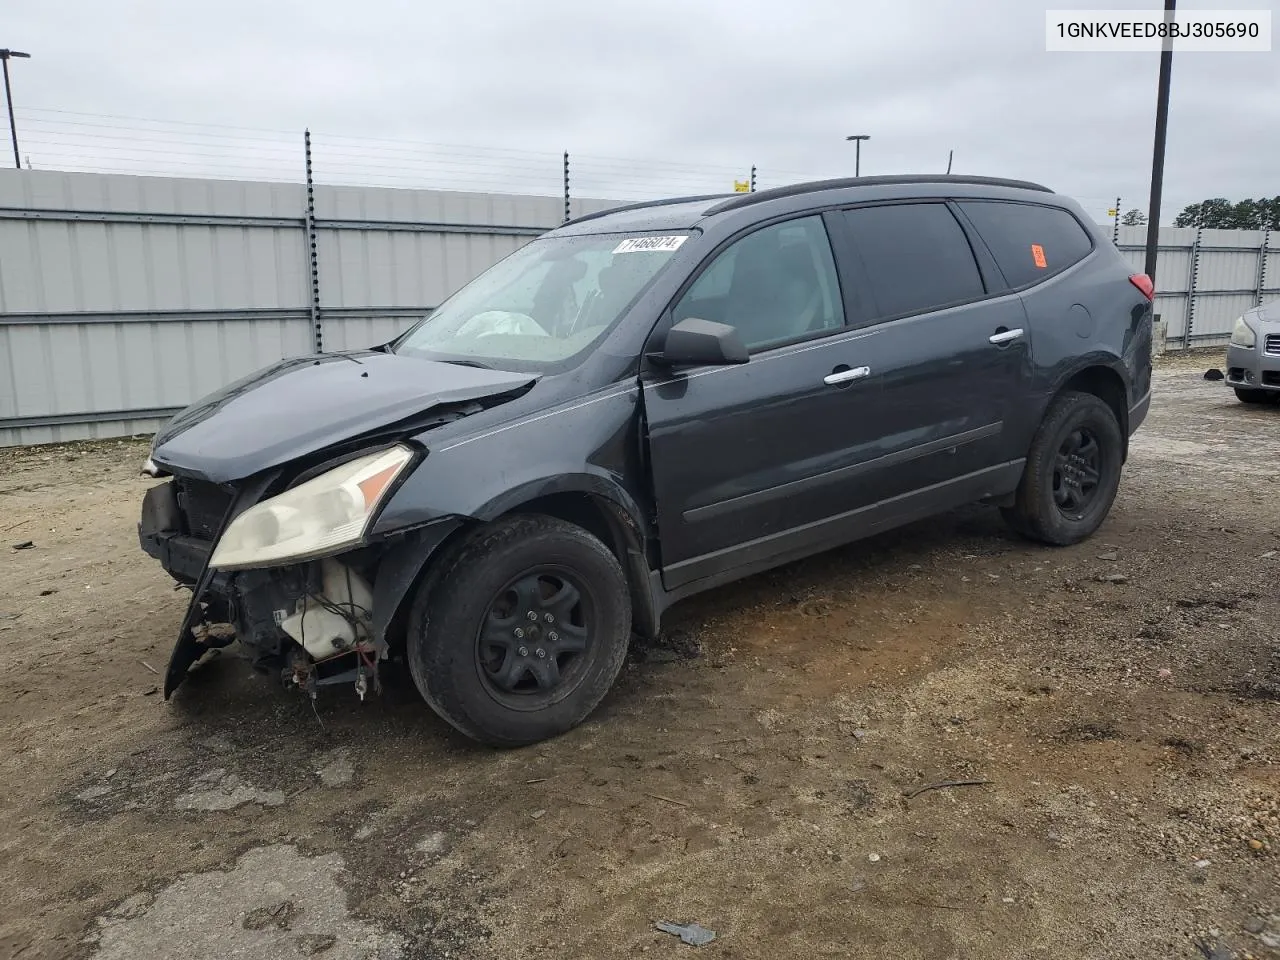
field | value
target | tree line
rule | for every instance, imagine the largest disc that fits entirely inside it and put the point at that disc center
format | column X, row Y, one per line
column 1220, row 214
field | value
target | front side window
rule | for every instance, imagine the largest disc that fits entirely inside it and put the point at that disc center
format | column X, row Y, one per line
column 1030, row 243
column 917, row 257
column 543, row 306
column 774, row 285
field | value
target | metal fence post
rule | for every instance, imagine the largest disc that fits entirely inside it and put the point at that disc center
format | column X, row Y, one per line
column 1192, row 275
column 753, row 178
column 317, row 329
column 1262, row 263
column 566, row 186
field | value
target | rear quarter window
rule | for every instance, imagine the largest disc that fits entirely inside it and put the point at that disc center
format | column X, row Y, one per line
column 1029, row 243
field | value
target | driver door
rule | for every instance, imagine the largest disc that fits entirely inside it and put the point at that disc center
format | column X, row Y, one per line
column 748, row 460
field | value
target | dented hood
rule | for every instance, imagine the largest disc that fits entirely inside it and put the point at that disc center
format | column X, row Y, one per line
column 300, row 406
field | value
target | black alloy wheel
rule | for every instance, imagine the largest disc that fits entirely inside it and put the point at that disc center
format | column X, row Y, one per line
column 1077, row 472
column 1072, row 471
column 535, row 638
column 519, row 629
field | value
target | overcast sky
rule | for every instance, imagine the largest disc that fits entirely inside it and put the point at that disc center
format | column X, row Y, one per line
column 704, row 88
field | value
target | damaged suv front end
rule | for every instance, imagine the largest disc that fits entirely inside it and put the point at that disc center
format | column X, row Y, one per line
column 305, row 504
column 273, row 537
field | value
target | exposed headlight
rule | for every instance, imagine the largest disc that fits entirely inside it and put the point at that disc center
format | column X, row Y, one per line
column 1242, row 335
column 322, row 516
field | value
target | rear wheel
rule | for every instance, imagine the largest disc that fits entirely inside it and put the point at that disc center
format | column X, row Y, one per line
column 522, row 632
column 1072, row 472
column 1245, row 395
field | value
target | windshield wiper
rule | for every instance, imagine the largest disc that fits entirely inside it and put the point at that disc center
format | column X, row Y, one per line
column 469, row 363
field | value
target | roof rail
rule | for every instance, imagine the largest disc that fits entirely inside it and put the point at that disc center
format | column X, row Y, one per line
column 813, row 186
column 641, row 205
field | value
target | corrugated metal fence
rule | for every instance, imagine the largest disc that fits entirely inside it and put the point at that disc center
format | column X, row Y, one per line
column 1206, row 278
column 123, row 299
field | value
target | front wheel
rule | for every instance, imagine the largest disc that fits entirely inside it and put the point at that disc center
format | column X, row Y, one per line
column 522, row 632
column 1072, row 472
column 1245, row 395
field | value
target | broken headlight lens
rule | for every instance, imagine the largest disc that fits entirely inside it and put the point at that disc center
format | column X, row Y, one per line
column 322, row 516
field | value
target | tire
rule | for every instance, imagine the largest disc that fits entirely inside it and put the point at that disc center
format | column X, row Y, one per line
column 1072, row 472
column 1245, row 395
column 488, row 669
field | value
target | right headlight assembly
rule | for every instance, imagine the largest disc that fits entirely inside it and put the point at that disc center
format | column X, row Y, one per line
column 323, row 516
column 1243, row 335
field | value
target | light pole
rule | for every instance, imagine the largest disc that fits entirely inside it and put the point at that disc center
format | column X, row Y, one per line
column 857, row 139
column 13, row 127
column 1157, row 153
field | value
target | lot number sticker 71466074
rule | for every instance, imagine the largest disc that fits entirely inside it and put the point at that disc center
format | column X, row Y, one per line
column 649, row 244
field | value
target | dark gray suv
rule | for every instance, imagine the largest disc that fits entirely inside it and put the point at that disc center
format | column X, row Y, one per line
column 644, row 404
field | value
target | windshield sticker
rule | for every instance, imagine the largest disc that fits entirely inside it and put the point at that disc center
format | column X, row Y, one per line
column 648, row 244
column 1037, row 254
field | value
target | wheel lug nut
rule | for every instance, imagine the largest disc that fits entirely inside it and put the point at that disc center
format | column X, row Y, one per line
column 541, row 653
column 519, row 632
column 523, row 651
column 532, row 615
column 549, row 618
column 553, row 636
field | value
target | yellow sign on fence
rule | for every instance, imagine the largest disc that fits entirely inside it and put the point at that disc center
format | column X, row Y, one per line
column 742, row 186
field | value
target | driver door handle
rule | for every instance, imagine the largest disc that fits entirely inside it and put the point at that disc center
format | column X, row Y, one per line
column 846, row 376
column 1005, row 336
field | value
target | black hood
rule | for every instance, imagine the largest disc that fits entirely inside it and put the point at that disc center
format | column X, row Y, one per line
column 301, row 406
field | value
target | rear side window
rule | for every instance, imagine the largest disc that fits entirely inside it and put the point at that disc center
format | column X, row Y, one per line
column 916, row 256
column 1029, row 243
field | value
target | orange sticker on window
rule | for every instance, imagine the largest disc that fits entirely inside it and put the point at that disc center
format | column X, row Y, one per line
column 1037, row 254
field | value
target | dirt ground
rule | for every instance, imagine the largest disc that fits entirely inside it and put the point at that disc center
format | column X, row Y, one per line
column 1121, row 697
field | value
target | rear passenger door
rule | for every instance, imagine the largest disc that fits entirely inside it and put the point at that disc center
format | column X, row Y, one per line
column 1036, row 249
column 948, row 352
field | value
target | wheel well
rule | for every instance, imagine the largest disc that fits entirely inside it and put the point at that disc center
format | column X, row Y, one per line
column 580, row 509
column 609, row 523
column 1107, row 385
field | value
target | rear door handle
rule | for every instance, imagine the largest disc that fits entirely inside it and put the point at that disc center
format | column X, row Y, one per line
column 1005, row 336
column 846, row 376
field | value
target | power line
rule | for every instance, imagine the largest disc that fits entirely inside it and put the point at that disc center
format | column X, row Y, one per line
column 403, row 144
column 130, row 142
column 186, row 123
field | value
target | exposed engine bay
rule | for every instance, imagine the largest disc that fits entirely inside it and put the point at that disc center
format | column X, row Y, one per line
column 312, row 622
column 309, row 622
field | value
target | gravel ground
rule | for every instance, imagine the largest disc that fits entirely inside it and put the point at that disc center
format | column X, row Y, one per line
column 1119, row 699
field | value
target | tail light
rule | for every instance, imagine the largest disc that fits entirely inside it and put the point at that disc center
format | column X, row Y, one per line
column 1144, row 284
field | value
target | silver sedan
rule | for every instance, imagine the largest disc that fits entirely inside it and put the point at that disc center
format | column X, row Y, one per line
column 1253, row 356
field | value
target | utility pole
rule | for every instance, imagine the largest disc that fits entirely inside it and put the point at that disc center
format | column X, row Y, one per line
column 857, row 139
column 1157, row 153
column 950, row 154
column 5, row 54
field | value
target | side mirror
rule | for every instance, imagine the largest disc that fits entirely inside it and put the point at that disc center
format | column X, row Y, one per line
column 695, row 342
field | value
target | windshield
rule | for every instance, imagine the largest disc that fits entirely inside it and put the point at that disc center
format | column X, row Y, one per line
column 546, row 304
